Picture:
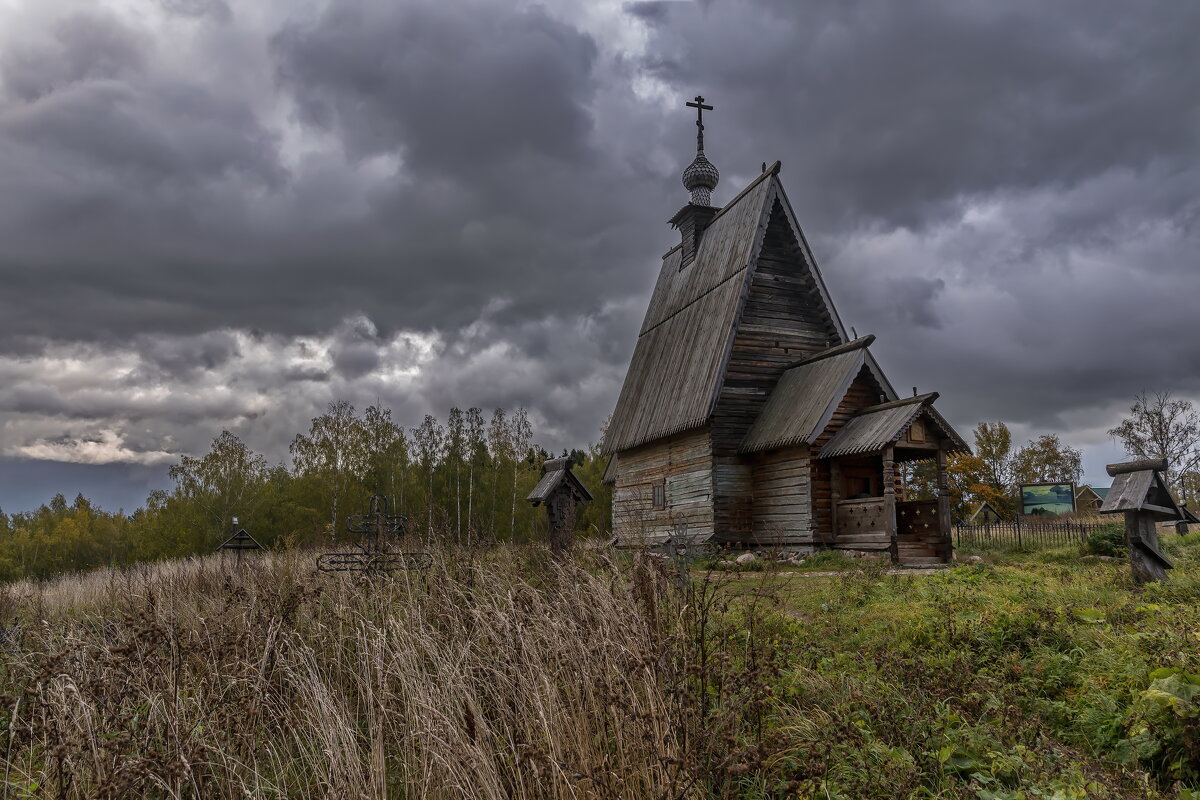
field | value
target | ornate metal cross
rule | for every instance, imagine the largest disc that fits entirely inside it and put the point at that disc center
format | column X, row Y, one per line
column 700, row 109
column 682, row 550
column 375, row 528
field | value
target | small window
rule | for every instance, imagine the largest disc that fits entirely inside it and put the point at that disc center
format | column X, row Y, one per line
column 917, row 432
column 660, row 496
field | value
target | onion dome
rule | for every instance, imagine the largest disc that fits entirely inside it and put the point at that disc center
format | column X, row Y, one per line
column 700, row 178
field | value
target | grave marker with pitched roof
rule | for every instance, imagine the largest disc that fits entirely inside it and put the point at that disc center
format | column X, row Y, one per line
column 1140, row 493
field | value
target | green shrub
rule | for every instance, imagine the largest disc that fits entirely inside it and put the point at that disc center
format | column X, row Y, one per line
column 1164, row 725
column 1106, row 541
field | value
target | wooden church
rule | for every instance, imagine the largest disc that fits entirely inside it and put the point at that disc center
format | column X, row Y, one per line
column 748, row 417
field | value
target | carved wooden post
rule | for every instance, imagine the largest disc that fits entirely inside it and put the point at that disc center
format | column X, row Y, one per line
column 560, row 490
column 943, row 506
column 1141, row 530
column 1141, row 494
column 889, row 500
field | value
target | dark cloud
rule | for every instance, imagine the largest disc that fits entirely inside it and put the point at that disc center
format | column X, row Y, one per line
column 454, row 93
column 216, row 220
column 84, row 46
column 897, row 112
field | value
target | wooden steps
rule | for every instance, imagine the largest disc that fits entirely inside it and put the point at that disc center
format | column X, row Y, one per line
column 913, row 553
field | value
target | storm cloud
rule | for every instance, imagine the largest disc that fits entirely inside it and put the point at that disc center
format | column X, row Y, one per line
column 226, row 215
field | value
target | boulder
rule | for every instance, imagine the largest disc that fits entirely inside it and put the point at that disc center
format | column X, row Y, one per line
column 746, row 558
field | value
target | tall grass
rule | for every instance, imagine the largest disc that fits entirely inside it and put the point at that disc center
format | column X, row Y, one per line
column 504, row 673
column 487, row 677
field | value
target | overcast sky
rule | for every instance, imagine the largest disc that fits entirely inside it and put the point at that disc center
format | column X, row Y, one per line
column 224, row 214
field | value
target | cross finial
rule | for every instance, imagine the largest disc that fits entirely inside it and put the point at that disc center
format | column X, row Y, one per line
column 701, row 177
column 700, row 109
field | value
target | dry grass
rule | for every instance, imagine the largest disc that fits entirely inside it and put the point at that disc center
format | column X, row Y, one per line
column 502, row 673
column 497, row 675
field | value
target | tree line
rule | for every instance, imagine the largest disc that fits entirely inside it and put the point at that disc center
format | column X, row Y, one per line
column 463, row 479
column 1157, row 426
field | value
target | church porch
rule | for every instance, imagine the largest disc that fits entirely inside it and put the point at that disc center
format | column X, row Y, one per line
column 867, row 510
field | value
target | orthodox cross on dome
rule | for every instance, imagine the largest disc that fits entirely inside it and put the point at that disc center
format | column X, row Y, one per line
column 700, row 109
column 701, row 177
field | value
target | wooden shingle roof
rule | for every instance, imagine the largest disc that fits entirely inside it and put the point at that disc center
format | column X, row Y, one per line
column 876, row 427
column 555, row 472
column 805, row 398
column 675, row 376
column 1139, row 486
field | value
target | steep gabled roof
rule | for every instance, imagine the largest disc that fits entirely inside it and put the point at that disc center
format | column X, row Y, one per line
column 806, row 396
column 683, row 347
column 982, row 506
column 555, row 472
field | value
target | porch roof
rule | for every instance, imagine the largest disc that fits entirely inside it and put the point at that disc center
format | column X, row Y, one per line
column 806, row 396
column 876, row 427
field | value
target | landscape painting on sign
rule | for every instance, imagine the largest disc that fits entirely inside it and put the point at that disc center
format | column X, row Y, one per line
column 1047, row 498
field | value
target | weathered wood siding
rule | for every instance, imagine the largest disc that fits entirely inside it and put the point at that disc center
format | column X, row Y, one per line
column 863, row 392
column 863, row 525
column 683, row 464
column 782, row 321
column 782, row 509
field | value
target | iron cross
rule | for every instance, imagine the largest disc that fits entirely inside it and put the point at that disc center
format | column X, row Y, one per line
column 373, row 556
column 700, row 109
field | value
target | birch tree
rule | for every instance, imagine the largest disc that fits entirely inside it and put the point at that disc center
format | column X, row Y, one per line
column 430, row 439
column 500, row 451
column 521, row 433
column 475, row 449
column 222, row 484
column 1162, row 427
column 332, row 453
column 387, row 453
column 455, row 441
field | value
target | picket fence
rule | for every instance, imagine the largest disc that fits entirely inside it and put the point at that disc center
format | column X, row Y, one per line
column 1024, row 533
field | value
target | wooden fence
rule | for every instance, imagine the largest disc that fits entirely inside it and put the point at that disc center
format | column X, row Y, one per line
column 1023, row 533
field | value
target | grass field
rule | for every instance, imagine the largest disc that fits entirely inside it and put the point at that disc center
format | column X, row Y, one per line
column 501, row 674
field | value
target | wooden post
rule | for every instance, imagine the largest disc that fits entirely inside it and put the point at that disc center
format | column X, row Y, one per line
column 560, row 490
column 946, row 547
column 835, row 496
column 889, row 501
column 561, row 510
column 1140, row 527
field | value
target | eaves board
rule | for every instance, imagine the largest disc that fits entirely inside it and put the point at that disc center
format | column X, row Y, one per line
column 812, row 262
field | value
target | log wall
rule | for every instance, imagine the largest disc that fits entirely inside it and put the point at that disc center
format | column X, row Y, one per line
column 782, row 321
column 683, row 465
column 782, row 510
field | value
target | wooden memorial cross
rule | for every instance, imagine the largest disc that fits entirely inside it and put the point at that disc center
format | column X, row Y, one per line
column 241, row 540
column 560, row 490
column 1141, row 494
column 375, row 528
